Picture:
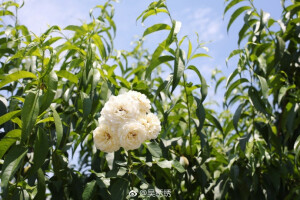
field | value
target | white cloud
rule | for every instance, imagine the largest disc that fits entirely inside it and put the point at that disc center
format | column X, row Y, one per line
column 39, row 15
column 204, row 21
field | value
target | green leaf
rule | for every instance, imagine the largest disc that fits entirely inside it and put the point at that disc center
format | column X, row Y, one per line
column 156, row 59
column 234, row 53
column 165, row 84
column 256, row 101
column 245, row 27
column 154, row 149
column 280, row 47
column 153, row 12
column 264, row 86
column 236, row 14
column 161, row 47
column 234, row 85
column 58, row 127
column 119, row 189
column 219, row 82
column 178, row 69
column 29, row 114
column 297, row 149
column 9, row 139
column 204, row 86
column 87, row 104
column 214, row 121
column 41, row 186
column 190, row 50
column 75, row 28
column 16, row 76
column 230, row 5
column 294, row 8
column 89, row 190
column 67, row 75
column 6, row 12
column 51, row 41
column 98, row 41
column 178, row 166
column 165, row 164
column 156, row 27
column 25, row 32
column 261, row 48
column 48, row 96
column 200, row 55
column 48, row 31
column 200, row 112
column 124, row 81
column 8, row 116
column 41, row 147
column 11, row 164
column 236, row 116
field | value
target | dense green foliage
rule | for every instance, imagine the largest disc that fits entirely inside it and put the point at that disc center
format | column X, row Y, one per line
column 53, row 88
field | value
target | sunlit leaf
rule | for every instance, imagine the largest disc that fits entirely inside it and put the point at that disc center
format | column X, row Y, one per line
column 16, row 76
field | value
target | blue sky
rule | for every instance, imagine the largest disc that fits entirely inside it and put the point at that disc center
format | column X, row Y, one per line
column 204, row 17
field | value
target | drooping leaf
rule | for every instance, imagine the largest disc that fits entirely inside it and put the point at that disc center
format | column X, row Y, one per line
column 8, row 116
column 256, row 101
column 155, row 61
column 236, row 116
column 58, row 127
column 234, row 85
column 246, row 26
column 235, row 15
column 48, row 96
column 87, row 104
column 165, row 164
column 16, row 76
column 219, row 82
column 230, row 5
column 9, row 139
column 280, row 47
column 204, row 86
column 41, row 185
column 200, row 55
column 264, row 86
column 200, row 112
column 99, row 43
column 41, row 148
column 29, row 114
column 12, row 162
column 89, row 190
column 178, row 69
column 178, row 166
column 75, row 28
column 154, row 149
column 214, row 121
column 67, row 75
column 153, row 12
column 156, row 27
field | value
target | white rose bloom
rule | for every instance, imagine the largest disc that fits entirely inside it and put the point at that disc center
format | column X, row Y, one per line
column 143, row 101
column 132, row 135
column 152, row 125
column 120, row 109
column 105, row 139
column 126, row 121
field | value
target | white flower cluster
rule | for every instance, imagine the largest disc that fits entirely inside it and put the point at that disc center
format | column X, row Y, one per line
column 126, row 121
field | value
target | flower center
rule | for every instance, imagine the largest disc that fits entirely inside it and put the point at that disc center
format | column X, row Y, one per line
column 132, row 134
column 107, row 136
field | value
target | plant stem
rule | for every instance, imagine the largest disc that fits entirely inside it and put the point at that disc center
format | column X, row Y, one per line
column 129, row 163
